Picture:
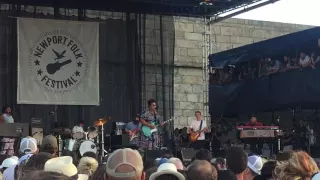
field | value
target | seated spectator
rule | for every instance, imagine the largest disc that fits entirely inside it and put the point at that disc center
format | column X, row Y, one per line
column 125, row 164
column 237, row 161
column 305, row 61
column 204, row 154
column 50, row 145
column 201, row 170
column 65, row 166
column 167, row 171
column 289, row 64
column 274, row 66
column 299, row 167
column 254, row 167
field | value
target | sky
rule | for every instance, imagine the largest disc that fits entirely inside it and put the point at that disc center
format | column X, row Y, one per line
column 288, row 11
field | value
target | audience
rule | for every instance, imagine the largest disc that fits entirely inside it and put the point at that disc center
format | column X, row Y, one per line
column 204, row 154
column 201, row 170
column 99, row 173
column 299, row 167
column 254, row 167
column 167, row 171
column 125, row 164
column 237, row 161
column 87, row 165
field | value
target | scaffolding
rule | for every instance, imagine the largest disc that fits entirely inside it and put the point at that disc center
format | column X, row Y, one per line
column 206, row 50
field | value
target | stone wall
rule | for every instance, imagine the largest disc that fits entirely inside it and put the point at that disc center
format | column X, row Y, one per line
column 188, row 73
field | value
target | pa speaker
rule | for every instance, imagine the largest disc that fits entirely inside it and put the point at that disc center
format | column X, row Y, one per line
column 188, row 154
column 153, row 154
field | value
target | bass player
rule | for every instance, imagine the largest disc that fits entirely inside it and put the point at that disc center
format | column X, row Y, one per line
column 197, row 129
column 132, row 128
column 149, row 116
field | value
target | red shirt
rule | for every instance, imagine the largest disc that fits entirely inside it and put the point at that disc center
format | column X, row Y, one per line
column 256, row 124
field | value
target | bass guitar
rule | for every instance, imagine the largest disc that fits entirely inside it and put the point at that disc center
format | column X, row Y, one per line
column 147, row 131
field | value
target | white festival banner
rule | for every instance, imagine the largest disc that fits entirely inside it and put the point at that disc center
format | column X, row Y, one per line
column 58, row 62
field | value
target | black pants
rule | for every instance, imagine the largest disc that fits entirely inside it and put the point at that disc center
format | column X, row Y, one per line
column 199, row 144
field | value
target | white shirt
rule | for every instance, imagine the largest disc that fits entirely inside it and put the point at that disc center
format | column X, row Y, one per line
column 304, row 61
column 195, row 125
column 8, row 118
column 77, row 129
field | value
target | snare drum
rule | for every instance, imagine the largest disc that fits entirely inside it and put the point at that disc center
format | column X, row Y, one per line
column 87, row 146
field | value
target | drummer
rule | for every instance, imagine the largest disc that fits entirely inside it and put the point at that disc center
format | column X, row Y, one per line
column 78, row 128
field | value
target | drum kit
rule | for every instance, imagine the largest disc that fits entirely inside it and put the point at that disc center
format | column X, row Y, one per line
column 82, row 142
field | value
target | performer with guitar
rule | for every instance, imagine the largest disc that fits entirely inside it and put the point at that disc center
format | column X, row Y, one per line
column 132, row 128
column 7, row 143
column 150, row 118
column 197, row 129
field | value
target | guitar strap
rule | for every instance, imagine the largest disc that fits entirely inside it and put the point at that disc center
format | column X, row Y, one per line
column 200, row 125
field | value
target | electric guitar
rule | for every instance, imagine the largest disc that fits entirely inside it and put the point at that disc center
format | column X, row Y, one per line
column 134, row 134
column 194, row 136
column 147, row 131
column 54, row 67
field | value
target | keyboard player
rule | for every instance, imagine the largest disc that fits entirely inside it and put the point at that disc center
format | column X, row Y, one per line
column 255, row 144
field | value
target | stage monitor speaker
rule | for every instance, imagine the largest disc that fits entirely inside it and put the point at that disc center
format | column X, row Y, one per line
column 188, row 154
column 153, row 154
column 119, row 140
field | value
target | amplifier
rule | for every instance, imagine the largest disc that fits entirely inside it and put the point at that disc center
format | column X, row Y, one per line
column 15, row 130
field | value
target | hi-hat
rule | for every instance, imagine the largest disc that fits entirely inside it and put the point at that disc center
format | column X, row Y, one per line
column 100, row 122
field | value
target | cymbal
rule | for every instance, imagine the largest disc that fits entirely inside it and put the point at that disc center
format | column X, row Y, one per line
column 100, row 122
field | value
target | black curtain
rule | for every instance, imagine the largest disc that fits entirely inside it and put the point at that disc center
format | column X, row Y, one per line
column 122, row 65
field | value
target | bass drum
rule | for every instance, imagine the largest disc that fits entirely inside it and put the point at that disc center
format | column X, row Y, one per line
column 87, row 146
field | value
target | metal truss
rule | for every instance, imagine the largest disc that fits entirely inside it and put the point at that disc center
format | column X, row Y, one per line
column 206, row 51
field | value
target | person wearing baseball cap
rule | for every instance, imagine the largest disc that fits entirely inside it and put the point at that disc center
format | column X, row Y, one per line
column 254, row 167
column 28, row 145
column 123, row 164
column 50, row 145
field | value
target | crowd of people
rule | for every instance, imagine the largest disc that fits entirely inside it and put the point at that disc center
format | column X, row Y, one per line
column 127, row 164
column 263, row 67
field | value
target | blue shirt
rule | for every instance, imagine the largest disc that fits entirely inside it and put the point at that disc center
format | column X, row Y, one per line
column 130, row 127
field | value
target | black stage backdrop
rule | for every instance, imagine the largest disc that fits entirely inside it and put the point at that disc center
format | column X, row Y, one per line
column 123, row 70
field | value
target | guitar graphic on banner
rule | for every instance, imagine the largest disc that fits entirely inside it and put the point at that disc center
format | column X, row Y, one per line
column 52, row 68
column 147, row 131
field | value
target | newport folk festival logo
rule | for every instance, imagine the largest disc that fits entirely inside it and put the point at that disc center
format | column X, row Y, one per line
column 58, row 62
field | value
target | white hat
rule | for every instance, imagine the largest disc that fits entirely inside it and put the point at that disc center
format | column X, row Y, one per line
column 167, row 168
column 65, row 166
column 15, row 157
column 177, row 162
column 255, row 164
column 8, row 163
column 28, row 145
column 316, row 177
